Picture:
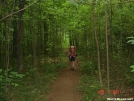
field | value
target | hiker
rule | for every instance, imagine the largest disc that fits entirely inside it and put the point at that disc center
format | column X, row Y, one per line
column 72, row 55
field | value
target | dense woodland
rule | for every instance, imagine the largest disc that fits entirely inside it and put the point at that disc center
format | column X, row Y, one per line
column 35, row 35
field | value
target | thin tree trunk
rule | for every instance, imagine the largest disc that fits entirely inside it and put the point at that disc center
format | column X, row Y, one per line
column 111, row 55
column 107, row 53
column 45, row 38
column 7, row 55
column 34, row 50
column 97, row 44
column 7, row 50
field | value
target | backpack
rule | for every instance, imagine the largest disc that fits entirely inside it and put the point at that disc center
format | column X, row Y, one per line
column 72, row 51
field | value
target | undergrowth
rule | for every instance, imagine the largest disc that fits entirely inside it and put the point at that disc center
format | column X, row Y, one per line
column 36, row 83
column 89, row 87
column 89, row 84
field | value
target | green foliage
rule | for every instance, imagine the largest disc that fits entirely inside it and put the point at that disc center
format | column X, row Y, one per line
column 36, row 86
column 8, row 79
column 129, row 78
column 132, row 66
column 53, row 68
column 87, row 68
column 73, row 2
column 89, row 86
column 1, row 88
column 131, row 40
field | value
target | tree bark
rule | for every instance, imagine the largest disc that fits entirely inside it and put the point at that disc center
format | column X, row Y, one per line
column 20, row 37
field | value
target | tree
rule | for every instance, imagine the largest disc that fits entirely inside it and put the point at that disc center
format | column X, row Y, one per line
column 107, row 49
column 97, row 44
column 19, row 37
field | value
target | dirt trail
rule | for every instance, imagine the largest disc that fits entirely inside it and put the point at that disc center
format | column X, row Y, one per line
column 64, row 89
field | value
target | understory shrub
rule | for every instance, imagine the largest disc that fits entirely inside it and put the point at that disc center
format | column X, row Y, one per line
column 89, row 86
column 87, row 68
column 37, row 83
column 8, row 79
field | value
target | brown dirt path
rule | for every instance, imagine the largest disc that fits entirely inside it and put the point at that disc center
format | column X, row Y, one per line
column 64, row 89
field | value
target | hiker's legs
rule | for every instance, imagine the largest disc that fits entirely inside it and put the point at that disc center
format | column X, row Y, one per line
column 72, row 63
column 71, row 66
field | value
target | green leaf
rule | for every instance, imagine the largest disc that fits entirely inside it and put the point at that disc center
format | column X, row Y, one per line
column 130, row 37
column 17, row 8
column 130, row 41
column 132, row 70
column 92, row 86
column 15, row 84
column 11, row 29
column 20, row 75
column 9, row 69
column 74, row 3
column 8, row 80
column 132, row 66
column 14, row 73
column 0, row 70
column 17, row 75
column 10, row 76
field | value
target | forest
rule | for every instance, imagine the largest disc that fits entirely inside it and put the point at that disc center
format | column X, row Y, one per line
column 35, row 36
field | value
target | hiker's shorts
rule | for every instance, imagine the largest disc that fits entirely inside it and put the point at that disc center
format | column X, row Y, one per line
column 72, row 58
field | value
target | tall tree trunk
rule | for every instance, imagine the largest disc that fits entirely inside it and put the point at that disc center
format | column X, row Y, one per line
column 107, row 53
column 7, row 33
column 14, row 39
column 7, row 48
column 20, row 37
column 111, row 55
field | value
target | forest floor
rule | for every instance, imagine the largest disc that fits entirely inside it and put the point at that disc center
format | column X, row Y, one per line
column 65, row 88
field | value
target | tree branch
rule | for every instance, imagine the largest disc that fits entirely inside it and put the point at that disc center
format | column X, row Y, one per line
column 18, row 11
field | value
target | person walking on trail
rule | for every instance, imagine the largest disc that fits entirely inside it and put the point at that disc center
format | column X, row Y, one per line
column 72, row 55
